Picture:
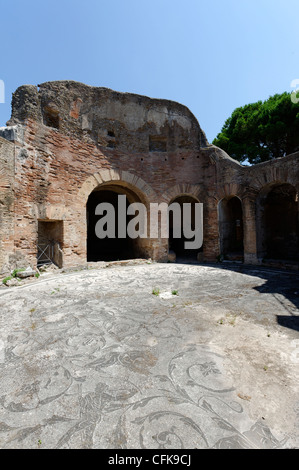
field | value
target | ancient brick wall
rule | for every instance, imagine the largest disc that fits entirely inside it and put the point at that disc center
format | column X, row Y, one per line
column 7, row 153
column 65, row 140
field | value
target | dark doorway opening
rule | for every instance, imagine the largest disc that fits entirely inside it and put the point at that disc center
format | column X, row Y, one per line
column 177, row 245
column 278, row 223
column 230, row 215
column 110, row 249
column 50, row 242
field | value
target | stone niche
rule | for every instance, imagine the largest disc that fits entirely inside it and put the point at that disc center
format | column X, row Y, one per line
column 50, row 242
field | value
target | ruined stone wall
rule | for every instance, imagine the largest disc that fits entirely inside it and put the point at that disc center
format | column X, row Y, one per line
column 7, row 153
column 262, row 178
column 105, row 118
column 60, row 173
column 78, row 137
column 65, row 139
column 249, row 184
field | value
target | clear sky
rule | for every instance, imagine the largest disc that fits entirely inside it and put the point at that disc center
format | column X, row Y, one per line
column 210, row 55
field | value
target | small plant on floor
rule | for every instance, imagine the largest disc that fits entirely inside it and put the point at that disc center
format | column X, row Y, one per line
column 156, row 291
column 8, row 278
column 175, row 292
column 56, row 289
column 16, row 271
column 13, row 275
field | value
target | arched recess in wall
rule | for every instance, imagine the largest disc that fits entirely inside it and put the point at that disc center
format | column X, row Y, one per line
column 180, row 193
column 180, row 237
column 277, row 222
column 106, row 188
column 230, row 221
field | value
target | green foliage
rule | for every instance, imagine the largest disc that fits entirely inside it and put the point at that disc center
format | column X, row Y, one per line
column 261, row 131
column 16, row 271
column 14, row 274
column 156, row 291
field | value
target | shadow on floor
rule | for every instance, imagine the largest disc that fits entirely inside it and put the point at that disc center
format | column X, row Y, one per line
column 288, row 321
column 278, row 282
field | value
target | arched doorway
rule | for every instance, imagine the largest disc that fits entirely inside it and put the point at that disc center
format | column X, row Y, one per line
column 230, row 217
column 277, row 223
column 178, row 244
column 121, row 247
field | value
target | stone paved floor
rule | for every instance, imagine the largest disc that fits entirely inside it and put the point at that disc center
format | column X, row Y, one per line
column 92, row 359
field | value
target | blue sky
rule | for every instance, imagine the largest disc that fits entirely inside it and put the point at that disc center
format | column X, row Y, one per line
column 211, row 56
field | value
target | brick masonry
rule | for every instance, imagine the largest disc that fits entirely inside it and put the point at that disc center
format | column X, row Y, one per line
column 66, row 139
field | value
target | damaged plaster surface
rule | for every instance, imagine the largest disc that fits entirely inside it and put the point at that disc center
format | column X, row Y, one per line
column 92, row 359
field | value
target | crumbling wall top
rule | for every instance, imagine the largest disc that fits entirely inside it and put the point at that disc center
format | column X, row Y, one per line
column 108, row 118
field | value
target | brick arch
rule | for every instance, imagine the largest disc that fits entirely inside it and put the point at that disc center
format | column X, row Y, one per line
column 122, row 178
column 273, row 177
column 192, row 190
column 267, row 187
column 277, row 226
column 230, row 190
